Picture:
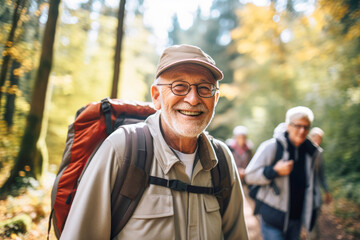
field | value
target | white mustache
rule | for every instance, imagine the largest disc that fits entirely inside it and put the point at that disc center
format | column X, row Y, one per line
column 188, row 107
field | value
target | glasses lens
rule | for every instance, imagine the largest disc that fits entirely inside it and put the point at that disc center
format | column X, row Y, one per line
column 180, row 88
column 298, row 126
column 206, row 89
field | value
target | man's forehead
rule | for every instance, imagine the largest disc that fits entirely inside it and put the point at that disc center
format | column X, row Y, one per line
column 301, row 120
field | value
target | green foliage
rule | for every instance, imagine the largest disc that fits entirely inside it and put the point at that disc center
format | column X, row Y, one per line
column 19, row 224
column 25, row 47
column 11, row 138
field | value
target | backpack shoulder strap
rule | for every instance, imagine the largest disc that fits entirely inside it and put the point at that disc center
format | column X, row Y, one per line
column 253, row 189
column 132, row 178
column 278, row 155
column 220, row 176
column 279, row 152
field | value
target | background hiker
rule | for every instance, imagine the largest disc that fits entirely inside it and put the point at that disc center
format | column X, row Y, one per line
column 185, row 94
column 241, row 147
column 316, row 135
column 290, row 191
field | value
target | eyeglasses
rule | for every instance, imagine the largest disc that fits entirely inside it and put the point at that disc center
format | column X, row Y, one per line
column 299, row 126
column 182, row 88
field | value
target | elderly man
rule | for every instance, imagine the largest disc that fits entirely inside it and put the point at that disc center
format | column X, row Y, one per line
column 185, row 94
column 290, row 193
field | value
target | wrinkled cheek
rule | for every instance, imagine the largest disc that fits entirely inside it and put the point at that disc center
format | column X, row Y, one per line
column 303, row 136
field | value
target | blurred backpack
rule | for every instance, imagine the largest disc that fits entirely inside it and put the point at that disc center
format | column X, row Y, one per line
column 93, row 123
column 253, row 189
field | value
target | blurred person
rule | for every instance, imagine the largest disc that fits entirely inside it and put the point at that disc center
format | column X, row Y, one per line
column 289, row 195
column 185, row 93
column 316, row 135
column 241, row 148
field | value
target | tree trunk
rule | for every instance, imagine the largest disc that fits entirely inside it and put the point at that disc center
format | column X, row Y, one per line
column 117, row 60
column 11, row 95
column 19, row 6
column 29, row 159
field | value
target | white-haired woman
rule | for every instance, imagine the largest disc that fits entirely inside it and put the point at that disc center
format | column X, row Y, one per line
column 241, row 148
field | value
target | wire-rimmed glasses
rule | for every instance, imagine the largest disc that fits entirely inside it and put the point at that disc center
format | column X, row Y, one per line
column 299, row 126
column 182, row 88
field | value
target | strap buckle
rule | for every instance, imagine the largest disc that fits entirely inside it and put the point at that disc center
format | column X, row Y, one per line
column 105, row 105
column 106, row 108
column 177, row 185
column 220, row 192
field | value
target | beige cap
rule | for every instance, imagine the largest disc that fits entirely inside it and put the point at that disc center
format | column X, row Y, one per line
column 178, row 54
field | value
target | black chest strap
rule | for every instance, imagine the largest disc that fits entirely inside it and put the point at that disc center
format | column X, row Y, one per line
column 178, row 185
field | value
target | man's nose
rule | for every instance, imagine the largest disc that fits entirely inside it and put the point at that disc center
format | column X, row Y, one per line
column 192, row 97
column 303, row 130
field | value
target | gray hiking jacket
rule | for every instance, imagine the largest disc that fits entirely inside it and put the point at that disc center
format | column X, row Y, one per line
column 254, row 175
column 162, row 213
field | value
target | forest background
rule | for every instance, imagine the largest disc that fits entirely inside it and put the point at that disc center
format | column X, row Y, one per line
column 275, row 55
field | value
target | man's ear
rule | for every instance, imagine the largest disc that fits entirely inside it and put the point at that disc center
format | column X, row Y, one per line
column 217, row 96
column 155, row 95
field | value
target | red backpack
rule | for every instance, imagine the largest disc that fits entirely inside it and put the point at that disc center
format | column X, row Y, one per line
column 93, row 123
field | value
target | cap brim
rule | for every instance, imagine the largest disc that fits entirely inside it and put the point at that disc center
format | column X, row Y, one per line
column 218, row 75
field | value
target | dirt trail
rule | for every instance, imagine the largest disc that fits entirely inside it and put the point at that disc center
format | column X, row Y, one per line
column 252, row 222
column 332, row 227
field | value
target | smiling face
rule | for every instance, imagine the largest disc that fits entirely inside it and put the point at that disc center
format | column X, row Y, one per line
column 184, row 116
column 298, row 130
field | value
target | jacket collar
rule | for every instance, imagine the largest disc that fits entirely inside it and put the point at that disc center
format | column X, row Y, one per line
column 167, row 158
column 311, row 149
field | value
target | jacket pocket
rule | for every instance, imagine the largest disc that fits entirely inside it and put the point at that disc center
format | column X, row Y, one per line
column 153, row 219
column 272, row 216
column 211, row 221
column 154, row 206
column 211, row 204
